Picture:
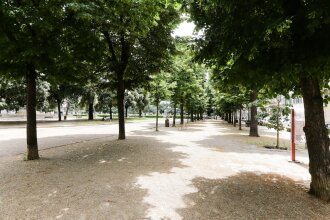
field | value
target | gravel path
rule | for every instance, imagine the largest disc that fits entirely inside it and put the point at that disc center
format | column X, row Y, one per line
column 199, row 172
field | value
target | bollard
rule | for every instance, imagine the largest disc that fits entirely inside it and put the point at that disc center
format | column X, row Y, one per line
column 167, row 122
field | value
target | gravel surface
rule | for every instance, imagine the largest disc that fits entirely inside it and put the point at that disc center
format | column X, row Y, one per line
column 198, row 172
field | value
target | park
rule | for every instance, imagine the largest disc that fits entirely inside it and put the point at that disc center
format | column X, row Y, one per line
column 115, row 110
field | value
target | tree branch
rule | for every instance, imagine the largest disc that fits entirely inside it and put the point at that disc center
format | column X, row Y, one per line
column 110, row 45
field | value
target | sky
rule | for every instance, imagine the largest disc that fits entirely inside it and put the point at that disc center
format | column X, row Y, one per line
column 184, row 29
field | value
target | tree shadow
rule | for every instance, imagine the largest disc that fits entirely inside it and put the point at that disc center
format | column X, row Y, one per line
column 251, row 196
column 93, row 179
column 18, row 145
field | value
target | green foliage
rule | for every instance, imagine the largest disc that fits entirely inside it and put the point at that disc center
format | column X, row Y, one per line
column 275, row 116
column 141, row 98
column 160, row 87
column 264, row 42
column 13, row 95
column 188, row 78
column 129, row 99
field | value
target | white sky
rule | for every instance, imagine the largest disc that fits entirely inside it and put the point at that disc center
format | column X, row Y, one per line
column 184, row 29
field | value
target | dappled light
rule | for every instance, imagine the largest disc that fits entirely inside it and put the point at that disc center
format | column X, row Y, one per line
column 208, row 154
column 160, row 109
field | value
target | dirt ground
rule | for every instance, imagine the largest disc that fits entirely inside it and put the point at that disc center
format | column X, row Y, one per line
column 202, row 171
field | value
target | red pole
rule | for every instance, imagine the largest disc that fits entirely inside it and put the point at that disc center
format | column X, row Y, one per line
column 293, row 135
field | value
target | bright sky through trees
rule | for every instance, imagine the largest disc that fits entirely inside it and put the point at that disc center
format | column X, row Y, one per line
column 184, row 29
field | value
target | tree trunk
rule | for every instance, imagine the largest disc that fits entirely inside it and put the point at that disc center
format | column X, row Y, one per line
column 126, row 111
column 240, row 120
column 229, row 117
column 91, row 110
column 121, row 107
column 254, row 121
column 191, row 116
column 110, row 110
column 140, row 113
column 157, row 104
column 181, row 114
column 317, row 138
column 174, row 115
column 226, row 116
column 31, row 123
column 59, row 109
column 234, row 119
column 67, row 109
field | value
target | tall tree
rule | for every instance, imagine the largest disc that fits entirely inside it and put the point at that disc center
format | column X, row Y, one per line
column 30, row 35
column 282, row 42
column 137, row 35
column 160, row 90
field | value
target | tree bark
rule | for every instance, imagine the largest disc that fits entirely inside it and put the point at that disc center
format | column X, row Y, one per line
column 229, row 117
column 120, row 67
column 31, row 123
column 110, row 110
column 191, row 116
column 317, row 138
column 67, row 109
column 59, row 109
column 121, row 107
column 91, row 110
column 126, row 111
column 140, row 113
column 157, row 104
column 181, row 114
column 254, row 111
column 240, row 120
column 226, row 116
column 174, row 115
column 234, row 119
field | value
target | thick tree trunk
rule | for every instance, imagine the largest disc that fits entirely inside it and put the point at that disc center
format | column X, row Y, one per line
column 140, row 113
column 226, row 116
column 59, row 109
column 91, row 110
column 191, row 116
column 157, row 104
column 240, row 120
column 110, row 110
column 120, row 70
column 174, row 115
column 31, row 123
column 317, row 138
column 181, row 114
column 254, row 112
column 121, row 107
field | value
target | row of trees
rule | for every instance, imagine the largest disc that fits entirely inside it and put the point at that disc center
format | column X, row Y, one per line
column 60, row 51
column 120, row 43
column 279, row 46
column 89, row 97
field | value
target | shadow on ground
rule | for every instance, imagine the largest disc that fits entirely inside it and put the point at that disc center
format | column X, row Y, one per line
column 88, row 180
column 251, row 196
